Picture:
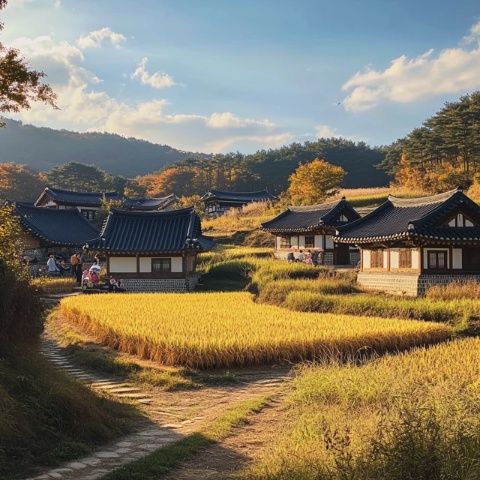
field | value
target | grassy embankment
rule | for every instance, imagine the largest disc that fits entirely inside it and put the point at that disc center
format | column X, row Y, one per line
column 51, row 285
column 47, row 418
column 414, row 415
column 211, row 330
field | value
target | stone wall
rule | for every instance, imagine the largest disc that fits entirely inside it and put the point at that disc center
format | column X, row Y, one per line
column 155, row 284
column 407, row 284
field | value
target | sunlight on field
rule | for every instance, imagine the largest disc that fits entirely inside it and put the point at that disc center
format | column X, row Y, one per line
column 203, row 330
column 400, row 416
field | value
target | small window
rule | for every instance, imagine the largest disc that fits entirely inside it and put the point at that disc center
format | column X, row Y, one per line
column 161, row 265
column 343, row 219
column 309, row 241
column 285, row 242
column 376, row 258
column 405, row 258
column 460, row 220
column 437, row 260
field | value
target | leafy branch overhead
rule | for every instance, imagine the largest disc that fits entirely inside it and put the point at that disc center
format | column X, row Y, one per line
column 20, row 85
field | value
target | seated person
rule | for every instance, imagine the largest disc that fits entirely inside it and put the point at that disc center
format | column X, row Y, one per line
column 52, row 268
column 290, row 257
column 115, row 285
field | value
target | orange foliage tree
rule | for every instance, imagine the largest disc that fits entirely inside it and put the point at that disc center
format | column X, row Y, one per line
column 313, row 182
column 18, row 182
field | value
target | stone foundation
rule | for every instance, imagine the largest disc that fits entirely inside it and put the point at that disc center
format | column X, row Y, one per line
column 156, row 284
column 409, row 284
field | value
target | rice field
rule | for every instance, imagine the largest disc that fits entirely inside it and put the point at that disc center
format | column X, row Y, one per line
column 51, row 285
column 209, row 330
column 410, row 416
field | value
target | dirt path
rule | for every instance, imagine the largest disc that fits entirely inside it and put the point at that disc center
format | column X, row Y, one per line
column 169, row 415
column 237, row 451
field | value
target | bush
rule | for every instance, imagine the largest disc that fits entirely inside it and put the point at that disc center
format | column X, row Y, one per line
column 20, row 309
column 376, row 305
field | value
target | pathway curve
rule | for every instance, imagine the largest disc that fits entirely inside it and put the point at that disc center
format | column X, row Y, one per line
column 171, row 415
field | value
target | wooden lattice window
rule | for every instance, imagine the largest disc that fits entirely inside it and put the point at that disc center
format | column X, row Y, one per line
column 285, row 242
column 161, row 265
column 437, row 260
column 405, row 258
column 309, row 241
column 376, row 258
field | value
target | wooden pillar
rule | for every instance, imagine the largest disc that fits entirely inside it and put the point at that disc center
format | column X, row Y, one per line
column 138, row 263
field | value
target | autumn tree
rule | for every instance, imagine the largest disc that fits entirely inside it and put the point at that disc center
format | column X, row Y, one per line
column 19, row 84
column 313, row 182
column 171, row 180
column 18, row 182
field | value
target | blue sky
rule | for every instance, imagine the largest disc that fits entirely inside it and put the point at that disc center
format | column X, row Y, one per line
column 220, row 75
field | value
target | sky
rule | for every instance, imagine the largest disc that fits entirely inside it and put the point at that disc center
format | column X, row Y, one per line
column 224, row 75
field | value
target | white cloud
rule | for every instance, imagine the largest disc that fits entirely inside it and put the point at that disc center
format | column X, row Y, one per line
column 230, row 120
column 96, row 38
column 325, row 131
column 23, row 3
column 474, row 34
column 156, row 80
column 83, row 107
column 452, row 70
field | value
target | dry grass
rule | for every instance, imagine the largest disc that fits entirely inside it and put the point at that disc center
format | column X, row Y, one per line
column 455, row 291
column 207, row 330
column 47, row 285
column 409, row 416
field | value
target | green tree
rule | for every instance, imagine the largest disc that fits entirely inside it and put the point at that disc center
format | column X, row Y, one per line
column 19, row 84
column 313, row 182
column 84, row 178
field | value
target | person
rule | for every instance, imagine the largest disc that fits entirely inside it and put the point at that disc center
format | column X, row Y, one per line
column 290, row 257
column 79, row 268
column 74, row 261
column 62, row 267
column 301, row 256
column 52, row 268
column 315, row 257
column 94, row 273
column 308, row 258
column 115, row 285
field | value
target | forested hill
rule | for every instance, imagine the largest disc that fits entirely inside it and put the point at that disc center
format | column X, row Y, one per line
column 44, row 148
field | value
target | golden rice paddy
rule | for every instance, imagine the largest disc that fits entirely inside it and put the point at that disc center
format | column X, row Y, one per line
column 208, row 330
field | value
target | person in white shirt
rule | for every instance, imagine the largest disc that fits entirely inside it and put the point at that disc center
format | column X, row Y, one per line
column 52, row 266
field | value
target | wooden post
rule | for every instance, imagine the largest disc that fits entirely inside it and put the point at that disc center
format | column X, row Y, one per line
column 138, row 263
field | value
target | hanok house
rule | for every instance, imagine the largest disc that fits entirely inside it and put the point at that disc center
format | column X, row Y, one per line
column 150, row 204
column 218, row 202
column 46, row 231
column 409, row 244
column 87, row 203
column 152, row 251
column 312, row 228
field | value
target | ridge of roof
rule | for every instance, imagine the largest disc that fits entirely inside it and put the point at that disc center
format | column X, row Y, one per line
column 159, row 213
column 92, row 194
column 420, row 201
column 318, row 206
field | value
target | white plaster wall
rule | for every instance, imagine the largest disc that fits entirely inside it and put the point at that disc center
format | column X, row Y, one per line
column 457, row 258
column 415, row 258
column 394, row 259
column 123, row 264
column 366, row 258
column 177, row 265
column 294, row 241
column 301, row 241
column 318, row 241
column 279, row 242
column 328, row 241
column 385, row 259
column 145, row 264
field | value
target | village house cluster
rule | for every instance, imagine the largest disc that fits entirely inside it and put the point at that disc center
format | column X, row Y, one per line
column 401, row 247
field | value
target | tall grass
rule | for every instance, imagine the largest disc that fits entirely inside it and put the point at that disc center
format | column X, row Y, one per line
column 409, row 416
column 47, row 285
column 384, row 306
column 455, row 290
column 207, row 330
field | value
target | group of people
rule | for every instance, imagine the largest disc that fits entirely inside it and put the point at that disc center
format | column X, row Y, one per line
column 89, row 277
column 309, row 257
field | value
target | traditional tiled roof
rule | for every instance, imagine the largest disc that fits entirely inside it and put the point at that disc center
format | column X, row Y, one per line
column 66, row 227
column 238, row 197
column 149, row 204
column 304, row 219
column 151, row 232
column 81, row 199
column 421, row 218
